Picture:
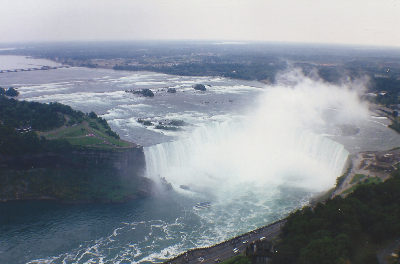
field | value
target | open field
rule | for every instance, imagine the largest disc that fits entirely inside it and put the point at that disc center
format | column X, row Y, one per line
column 357, row 177
column 89, row 133
column 371, row 180
column 75, row 131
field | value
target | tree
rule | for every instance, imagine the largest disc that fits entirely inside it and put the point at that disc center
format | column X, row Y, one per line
column 147, row 93
column 93, row 115
column 200, row 87
column 12, row 92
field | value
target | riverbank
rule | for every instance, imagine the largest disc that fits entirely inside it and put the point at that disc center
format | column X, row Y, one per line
column 368, row 165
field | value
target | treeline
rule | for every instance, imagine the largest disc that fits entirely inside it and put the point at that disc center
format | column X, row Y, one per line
column 15, row 143
column 391, row 87
column 11, row 91
column 28, row 116
column 15, row 113
column 104, row 123
column 343, row 230
column 245, row 71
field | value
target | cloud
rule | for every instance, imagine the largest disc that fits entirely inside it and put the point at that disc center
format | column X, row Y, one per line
column 287, row 20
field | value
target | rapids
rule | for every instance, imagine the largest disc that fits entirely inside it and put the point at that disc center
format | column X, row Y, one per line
column 256, row 152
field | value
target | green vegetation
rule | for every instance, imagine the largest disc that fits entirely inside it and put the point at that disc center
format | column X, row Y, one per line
column 177, row 123
column 388, row 89
column 259, row 70
column 366, row 181
column 147, row 93
column 14, row 113
column 21, row 121
column 9, row 92
column 15, row 143
column 340, row 179
column 395, row 125
column 70, row 161
column 323, row 197
column 172, row 125
column 337, row 230
column 144, row 122
column 75, row 131
column 144, row 92
column 240, row 259
column 99, row 183
column 118, row 143
column 199, row 87
column 84, row 141
column 171, row 90
column 357, row 177
column 390, row 84
column 172, row 128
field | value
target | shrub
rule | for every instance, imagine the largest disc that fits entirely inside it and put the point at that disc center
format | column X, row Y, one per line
column 200, row 87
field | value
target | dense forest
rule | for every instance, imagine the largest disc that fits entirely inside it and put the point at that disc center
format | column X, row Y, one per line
column 251, row 71
column 20, row 119
column 343, row 230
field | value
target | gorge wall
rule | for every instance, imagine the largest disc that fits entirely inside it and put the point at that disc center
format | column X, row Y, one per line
column 86, row 175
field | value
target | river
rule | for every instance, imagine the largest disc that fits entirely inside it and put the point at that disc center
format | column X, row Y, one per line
column 256, row 152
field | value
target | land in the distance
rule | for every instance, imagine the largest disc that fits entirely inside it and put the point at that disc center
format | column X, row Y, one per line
column 254, row 61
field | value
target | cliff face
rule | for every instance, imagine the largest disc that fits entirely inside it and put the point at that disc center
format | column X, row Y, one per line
column 125, row 160
column 86, row 175
column 132, row 158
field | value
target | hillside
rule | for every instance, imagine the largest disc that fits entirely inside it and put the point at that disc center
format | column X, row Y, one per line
column 50, row 151
column 343, row 230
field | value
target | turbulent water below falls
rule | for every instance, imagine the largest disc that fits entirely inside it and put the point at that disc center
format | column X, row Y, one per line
column 254, row 169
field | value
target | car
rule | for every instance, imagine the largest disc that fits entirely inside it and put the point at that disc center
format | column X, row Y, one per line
column 217, row 260
column 236, row 250
column 245, row 242
column 201, row 259
column 262, row 238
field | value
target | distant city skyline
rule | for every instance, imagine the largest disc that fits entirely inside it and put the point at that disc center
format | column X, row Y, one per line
column 355, row 22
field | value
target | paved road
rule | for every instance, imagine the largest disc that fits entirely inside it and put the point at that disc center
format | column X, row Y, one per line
column 224, row 251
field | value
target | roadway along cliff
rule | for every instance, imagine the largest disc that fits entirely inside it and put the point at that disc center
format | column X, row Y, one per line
column 224, row 250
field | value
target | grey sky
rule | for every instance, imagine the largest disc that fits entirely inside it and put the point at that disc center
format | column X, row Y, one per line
column 369, row 22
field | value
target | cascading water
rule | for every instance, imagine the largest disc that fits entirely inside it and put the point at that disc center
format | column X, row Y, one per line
column 222, row 153
column 273, row 144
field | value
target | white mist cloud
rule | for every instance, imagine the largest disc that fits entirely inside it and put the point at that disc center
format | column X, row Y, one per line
column 301, row 100
column 374, row 23
column 277, row 144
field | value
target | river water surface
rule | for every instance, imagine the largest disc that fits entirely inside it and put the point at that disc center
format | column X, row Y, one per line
column 250, row 183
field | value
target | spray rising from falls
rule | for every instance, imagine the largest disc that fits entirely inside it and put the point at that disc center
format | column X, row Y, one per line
column 275, row 145
column 218, row 153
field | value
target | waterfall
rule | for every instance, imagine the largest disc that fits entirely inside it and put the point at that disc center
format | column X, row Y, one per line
column 231, row 152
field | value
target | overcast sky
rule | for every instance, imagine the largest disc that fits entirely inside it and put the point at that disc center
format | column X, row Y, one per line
column 368, row 22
